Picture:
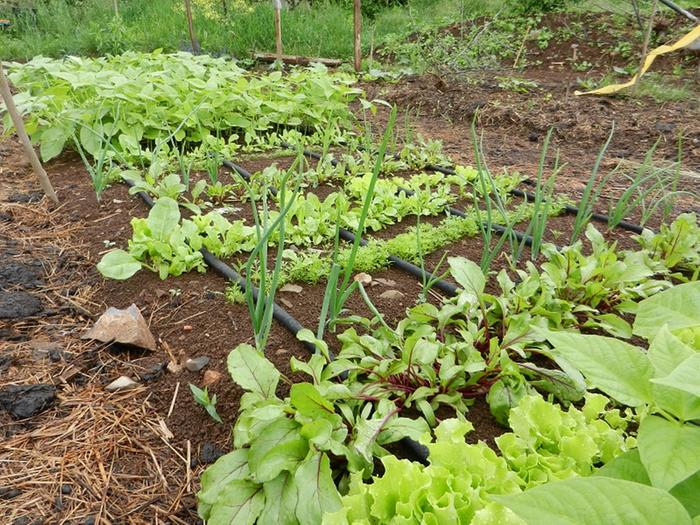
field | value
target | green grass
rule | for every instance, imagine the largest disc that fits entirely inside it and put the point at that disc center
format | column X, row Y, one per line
column 89, row 27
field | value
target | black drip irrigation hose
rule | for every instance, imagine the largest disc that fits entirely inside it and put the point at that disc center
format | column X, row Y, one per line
column 278, row 313
column 522, row 237
column 413, row 448
column 405, row 266
column 571, row 210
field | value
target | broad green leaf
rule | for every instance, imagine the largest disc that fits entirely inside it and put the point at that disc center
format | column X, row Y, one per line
column 163, row 218
column 252, row 371
column 617, row 368
column 229, row 467
column 688, row 493
column 400, row 427
column 685, row 377
column 309, row 402
column 240, row 503
column 503, row 395
column 627, row 466
column 90, row 140
column 279, row 446
column 53, row 140
column 670, row 451
column 118, row 264
column 596, row 501
column 677, row 307
column 674, row 393
column 316, row 491
column 280, row 501
column 467, row 274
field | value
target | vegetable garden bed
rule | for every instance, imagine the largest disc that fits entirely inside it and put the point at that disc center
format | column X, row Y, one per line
column 528, row 331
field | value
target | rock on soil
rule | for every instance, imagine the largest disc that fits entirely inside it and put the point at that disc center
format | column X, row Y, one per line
column 122, row 326
column 24, row 274
column 23, row 401
column 17, row 305
column 121, row 384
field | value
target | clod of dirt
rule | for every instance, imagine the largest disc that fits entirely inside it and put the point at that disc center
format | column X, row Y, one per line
column 17, row 305
column 211, row 377
column 121, row 384
column 24, row 274
column 391, row 295
column 23, row 198
column 5, row 217
column 45, row 349
column 209, row 453
column 23, row 401
column 9, row 492
column 196, row 364
column 122, row 326
column 5, row 362
column 155, row 372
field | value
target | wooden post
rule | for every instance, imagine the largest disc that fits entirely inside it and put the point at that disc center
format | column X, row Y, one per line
column 278, row 29
column 22, row 134
column 645, row 44
column 190, row 27
column 358, row 29
column 116, row 8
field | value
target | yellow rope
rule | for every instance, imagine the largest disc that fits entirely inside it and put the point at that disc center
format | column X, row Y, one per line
column 661, row 50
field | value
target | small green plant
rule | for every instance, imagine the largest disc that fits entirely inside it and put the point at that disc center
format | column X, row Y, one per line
column 582, row 66
column 202, row 398
column 427, row 282
column 591, row 192
column 234, row 294
column 491, row 197
column 336, row 295
column 517, row 85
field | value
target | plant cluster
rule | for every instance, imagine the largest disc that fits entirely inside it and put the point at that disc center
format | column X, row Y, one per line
column 137, row 99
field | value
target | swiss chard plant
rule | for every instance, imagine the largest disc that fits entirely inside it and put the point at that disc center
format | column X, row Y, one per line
column 289, row 453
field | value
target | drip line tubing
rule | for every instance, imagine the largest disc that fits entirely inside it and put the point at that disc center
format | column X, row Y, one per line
column 571, row 210
column 413, row 448
column 405, row 266
column 278, row 313
column 522, row 237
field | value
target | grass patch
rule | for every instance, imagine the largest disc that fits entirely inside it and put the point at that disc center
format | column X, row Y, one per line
column 56, row 28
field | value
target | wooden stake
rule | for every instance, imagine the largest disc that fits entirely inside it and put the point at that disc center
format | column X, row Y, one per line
column 190, row 27
column 116, row 8
column 22, row 134
column 278, row 29
column 358, row 29
column 647, row 38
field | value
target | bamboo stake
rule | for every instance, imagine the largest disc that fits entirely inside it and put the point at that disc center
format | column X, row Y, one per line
column 22, row 134
column 647, row 38
column 358, row 29
column 190, row 27
column 278, row 29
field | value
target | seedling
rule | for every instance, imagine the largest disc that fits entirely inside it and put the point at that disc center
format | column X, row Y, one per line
column 202, row 398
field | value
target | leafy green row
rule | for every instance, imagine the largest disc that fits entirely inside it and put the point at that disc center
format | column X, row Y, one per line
column 307, row 458
column 135, row 98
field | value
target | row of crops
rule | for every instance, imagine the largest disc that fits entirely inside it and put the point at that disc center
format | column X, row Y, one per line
column 588, row 354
